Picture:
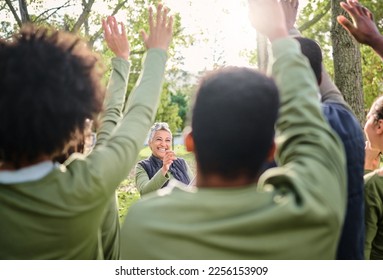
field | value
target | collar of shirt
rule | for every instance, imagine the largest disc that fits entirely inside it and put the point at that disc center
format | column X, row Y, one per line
column 30, row 173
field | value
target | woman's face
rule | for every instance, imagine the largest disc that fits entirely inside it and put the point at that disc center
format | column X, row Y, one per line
column 161, row 142
column 371, row 129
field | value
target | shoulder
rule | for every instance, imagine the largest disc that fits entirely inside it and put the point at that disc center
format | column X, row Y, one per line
column 143, row 162
column 374, row 179
column 371, row 177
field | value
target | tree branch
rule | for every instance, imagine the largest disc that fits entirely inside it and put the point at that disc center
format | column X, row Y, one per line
column 315, row 19
column 99, row 32
column 84, row 15
column 56, row 9
column 14, row 13
column 24, row 11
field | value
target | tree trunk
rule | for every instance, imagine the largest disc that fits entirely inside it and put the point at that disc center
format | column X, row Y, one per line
column 24, row 11
column 347, row 64
column 86, row 9
column 14, row 12
column 262, row 53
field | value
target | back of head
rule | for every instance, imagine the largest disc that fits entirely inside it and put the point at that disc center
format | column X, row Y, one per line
column 377, row 108
column 50, row 84
column 233, row 122
column 313, row 52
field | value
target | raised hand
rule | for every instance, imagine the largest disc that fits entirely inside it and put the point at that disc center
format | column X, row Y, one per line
column 167, row 161
column 160, row 30
column 267, row 17
column 115, row 37
column 290, row 9
column 363, row 27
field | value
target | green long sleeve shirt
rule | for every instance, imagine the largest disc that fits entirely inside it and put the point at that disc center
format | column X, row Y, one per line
column 59, row 216
column 373, row 198
column 114, row 103
column 295, row 211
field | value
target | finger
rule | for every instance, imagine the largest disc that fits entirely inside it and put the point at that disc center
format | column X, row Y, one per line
column 159, row 14
column 370, row 15
column 356, row 7
column 122, row 27
column 144, row 36
column 150, row 19
column 116, row 31
column 169, row 155
column 106, row 29
column 348, row 8
column 164, row 16
column 295, row 4
column 359, row 9
column 170, row 25
column 104, row 26
column 346, row 23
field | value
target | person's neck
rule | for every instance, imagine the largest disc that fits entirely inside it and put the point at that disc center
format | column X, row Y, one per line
column 158, row 157
column 217, row 181
column 10, row 166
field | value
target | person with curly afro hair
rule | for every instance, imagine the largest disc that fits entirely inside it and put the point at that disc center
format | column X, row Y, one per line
column 50, row 85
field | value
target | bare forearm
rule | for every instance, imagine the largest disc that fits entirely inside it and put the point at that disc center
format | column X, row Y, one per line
column 377, row 45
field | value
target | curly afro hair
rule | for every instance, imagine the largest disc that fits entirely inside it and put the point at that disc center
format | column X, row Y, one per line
column 50, row 83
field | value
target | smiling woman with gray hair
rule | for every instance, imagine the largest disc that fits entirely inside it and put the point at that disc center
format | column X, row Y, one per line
column 155, row 172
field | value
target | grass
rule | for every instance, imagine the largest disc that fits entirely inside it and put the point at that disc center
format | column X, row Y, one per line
column 127, row 192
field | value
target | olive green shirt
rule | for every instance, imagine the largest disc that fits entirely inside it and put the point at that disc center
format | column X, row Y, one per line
column 373, row 198
column 115, row 100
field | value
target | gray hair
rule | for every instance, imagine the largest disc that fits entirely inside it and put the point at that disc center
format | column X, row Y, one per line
column 158, row 126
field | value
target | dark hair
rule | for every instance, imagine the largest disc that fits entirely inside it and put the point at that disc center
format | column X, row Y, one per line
column 233, row 122
column 50, row 84
column 377, row 107
column 313, row 52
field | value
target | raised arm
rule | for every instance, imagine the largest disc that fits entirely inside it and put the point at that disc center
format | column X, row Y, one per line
column 363, row 27
column 327, row 88
column 112, row 162
column 159, row 37
column 260, row 11
column 307, row 148
column 290, row 9
column 145, row 185
column 116, row 39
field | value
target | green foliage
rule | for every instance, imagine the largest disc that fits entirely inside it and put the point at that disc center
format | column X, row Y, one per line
column 182, row 101
column 320, row 31
column 371, row 64
column 168, row 111
column 125, row 200
column 372, row 69
column 136, row 14
column 6, row 29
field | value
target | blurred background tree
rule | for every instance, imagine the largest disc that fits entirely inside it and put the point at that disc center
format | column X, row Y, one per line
column 84, row 17
column 361, row 70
